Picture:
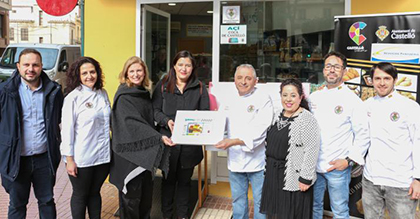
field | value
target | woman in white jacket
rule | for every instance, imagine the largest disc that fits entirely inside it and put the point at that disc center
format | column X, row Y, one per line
column 85, row 136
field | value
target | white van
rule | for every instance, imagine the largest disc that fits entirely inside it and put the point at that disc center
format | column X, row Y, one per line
column 56, row 59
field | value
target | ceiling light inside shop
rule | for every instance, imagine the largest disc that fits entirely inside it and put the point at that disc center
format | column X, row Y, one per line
column 209, row 12
column 172, row 4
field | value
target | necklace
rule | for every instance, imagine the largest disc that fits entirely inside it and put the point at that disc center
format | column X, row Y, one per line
column 281, row 124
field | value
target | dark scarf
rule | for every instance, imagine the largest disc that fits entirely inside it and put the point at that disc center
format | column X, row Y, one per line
column 134, row 137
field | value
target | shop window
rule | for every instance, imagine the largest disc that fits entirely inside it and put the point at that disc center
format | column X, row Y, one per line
column 2, row 32
column 72, row 37
column 24, row 34
column 40, row 18
column 284, row 39
column 12, row 34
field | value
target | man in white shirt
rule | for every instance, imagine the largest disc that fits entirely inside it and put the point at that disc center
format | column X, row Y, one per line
column 392, row 170
column 249, row 114
column 344, row 136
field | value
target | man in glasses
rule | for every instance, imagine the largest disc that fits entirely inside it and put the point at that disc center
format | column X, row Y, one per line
column 344, row 136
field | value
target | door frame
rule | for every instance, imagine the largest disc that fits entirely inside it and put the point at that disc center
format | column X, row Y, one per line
column 216, row 27
column 142, row 48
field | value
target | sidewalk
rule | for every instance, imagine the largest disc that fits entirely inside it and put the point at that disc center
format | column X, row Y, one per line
column 62, row 194
column 215, row 207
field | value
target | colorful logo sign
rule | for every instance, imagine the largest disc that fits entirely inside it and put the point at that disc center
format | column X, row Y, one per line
column 395, row 116
column 382, row 33
column 354, row 32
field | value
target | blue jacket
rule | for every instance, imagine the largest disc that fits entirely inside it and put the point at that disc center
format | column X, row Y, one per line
column 11, row 124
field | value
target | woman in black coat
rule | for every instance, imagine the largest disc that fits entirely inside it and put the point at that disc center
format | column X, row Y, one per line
column 179, row 90
column 138, row 149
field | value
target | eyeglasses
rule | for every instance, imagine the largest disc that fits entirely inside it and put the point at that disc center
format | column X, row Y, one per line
column 336, row 67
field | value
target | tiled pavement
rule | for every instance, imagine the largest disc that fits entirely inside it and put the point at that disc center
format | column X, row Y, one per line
column 218, row 208
column 213, row 208
column 62, row 193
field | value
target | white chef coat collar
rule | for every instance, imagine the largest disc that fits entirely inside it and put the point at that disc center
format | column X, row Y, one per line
column 390, row 95
column 86, row 88
column 248, row 94
column 339, row 87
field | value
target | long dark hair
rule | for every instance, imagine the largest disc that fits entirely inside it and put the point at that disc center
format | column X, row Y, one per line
column 170, row 78
column 73, row 74
column 295, row 82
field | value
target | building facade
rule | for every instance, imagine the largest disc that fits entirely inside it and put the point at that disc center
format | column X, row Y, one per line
column 284, row 38
column 5, row 6
column 30, row 24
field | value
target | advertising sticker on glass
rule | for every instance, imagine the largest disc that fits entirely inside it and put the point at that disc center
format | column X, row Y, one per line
column 231, row 14
column 233, row 34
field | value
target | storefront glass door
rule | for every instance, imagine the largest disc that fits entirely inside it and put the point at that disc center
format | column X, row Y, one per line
column 156, row 41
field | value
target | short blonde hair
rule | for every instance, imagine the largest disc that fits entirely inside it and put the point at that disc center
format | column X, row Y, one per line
column 146, row 83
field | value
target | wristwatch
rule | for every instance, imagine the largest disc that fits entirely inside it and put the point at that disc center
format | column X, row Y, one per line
column 350, row 161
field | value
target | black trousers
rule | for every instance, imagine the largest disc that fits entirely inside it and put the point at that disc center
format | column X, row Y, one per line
column 178, row 180
column 137, row 203
column 86, row 191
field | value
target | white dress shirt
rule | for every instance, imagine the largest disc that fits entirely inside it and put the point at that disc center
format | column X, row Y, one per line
column 85, row 127
column 393, row 156
column 248, row 118
column 342, row 119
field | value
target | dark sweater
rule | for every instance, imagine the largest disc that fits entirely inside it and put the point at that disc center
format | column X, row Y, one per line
column 135, row 142
column 165, row 105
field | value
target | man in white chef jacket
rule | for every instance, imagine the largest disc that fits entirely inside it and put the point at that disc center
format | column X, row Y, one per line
column 392, row 171
column 342, row 119
column 249, row 113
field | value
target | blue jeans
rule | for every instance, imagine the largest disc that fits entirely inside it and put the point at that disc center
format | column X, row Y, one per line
column 376, row 197
column 239, row 182
column 338, row 188
column 36, row 170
